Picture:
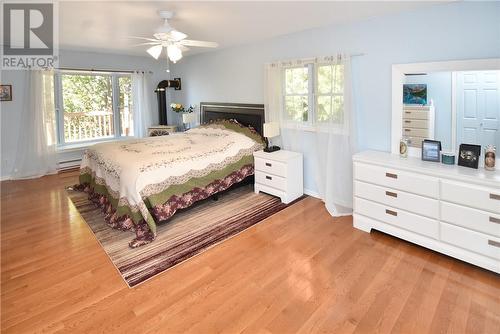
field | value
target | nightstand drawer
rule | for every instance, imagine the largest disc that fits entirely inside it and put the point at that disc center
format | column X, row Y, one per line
column 270, row 167
column 270, row 180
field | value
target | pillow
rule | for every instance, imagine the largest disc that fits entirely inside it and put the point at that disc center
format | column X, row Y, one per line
column 234, row 125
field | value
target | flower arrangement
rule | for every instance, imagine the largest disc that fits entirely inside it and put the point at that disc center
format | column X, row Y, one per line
column 179, row 108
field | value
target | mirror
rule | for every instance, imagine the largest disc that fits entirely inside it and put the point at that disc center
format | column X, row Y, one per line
column 453, row 102
column 438, row 105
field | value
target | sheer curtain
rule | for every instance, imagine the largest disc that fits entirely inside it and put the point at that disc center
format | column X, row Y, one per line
column 141, row 99
column 36, row 146
column 328, row 145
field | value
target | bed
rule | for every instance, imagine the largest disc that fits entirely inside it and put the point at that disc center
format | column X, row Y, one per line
column 139, row 183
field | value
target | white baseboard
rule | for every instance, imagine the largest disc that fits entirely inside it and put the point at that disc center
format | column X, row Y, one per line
column 312, row 193
column 5, row 178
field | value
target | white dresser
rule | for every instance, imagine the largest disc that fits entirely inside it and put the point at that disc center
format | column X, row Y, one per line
column 418, row 124
column 280, row 174
column 450, row 209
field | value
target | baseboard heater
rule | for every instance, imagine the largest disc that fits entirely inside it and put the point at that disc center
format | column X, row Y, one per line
column 68, row 164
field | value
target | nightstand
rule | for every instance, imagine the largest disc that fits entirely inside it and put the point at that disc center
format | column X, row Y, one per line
column 161, row 130
column 280, row 174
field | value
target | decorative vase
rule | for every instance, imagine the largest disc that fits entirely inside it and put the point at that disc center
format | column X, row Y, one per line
column 489, row 157
column 403, row 148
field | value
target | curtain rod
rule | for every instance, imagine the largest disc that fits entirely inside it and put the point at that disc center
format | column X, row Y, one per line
column 313, row 58
column 99, row 70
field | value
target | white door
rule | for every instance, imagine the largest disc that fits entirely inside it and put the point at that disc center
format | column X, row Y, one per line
column 478, row 108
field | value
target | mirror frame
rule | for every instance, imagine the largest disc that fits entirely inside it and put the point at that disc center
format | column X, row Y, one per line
column 398, row 78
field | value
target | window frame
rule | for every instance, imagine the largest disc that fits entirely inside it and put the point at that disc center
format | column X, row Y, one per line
column 115, row 103
column 312, row 124
column 332, row 94
column 310, row 98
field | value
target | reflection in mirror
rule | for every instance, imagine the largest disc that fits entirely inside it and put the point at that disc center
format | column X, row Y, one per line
column 452, row 107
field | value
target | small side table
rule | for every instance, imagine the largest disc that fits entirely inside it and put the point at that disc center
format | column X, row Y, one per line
column 280, row 174
column 161, row 130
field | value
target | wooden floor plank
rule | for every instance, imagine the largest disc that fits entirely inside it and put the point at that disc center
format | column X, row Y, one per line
column 299, row 271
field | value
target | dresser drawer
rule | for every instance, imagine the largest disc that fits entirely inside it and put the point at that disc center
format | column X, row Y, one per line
column 270, row 180
column 391, row 178
column 399, row 199
column 415, row 114
column 474, row 241
column 411, row 132
column 397, row 217
column 270, row 167
column 416, row 141
column 416, row 123
column 473, row 219
column 471, row 195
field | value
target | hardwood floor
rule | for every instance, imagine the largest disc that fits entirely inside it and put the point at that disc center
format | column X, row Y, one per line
column 299, row 271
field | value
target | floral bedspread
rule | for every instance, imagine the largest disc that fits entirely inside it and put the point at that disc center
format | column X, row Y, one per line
column 140, row 182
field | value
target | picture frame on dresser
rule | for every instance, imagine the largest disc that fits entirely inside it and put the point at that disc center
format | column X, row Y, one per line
column 469, row 155
column 431, row 150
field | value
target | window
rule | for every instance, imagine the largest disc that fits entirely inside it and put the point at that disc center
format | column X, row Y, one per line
column 297, row 94
column 314, row 94
column 93, row 106
column 330, row 94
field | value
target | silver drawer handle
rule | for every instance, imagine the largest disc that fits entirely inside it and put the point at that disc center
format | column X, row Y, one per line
column 494, row 220
column 407, row 130
column 391, row 175
column 268, row 164
column 495, row 196
column 390, row 212
column 269, row 178
column 494, row 243
column 407, row 121
column 390, row 193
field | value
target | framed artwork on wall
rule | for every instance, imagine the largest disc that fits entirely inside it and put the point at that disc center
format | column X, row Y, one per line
column 415, row 94
column 5, row 92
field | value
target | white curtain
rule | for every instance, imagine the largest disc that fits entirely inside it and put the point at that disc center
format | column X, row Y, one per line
column 37, row 143
column 327, row 146
column 141, row 101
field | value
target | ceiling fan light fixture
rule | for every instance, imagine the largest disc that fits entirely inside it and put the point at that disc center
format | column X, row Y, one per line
column 174, row 53
column 155, row 51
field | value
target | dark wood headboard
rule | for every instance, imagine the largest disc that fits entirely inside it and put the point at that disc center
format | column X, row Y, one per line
column 246, row 114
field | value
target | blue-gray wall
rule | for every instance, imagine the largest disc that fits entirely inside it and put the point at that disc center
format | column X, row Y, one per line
column 439, row 91
column 454, row 31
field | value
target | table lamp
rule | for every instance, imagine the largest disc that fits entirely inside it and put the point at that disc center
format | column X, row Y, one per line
column 271, row 129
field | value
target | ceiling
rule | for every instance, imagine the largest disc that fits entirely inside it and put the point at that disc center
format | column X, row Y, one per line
column 105, row 26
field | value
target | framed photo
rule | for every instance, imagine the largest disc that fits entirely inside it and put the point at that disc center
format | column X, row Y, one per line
column 431, row 150
column 415, row 94
column 468, row 155
column 5, row 92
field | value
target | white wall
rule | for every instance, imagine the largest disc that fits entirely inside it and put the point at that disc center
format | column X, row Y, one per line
column 461, row 30
column 11, row 111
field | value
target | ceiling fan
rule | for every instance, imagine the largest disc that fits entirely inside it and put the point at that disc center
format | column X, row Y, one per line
column 172, row 40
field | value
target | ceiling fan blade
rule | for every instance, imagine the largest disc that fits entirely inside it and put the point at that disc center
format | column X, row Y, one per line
column 177, row 35
column 147, row 43
column 155, row 51
column 202, row 44
column 182, row 47
column 144, row 38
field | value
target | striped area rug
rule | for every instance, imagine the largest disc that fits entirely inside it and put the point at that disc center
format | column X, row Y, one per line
column 188, row 233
